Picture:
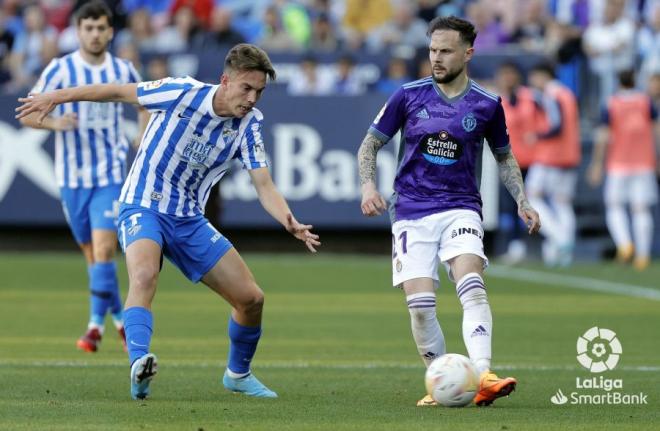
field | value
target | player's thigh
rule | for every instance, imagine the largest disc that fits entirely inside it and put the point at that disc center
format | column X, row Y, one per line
column 560, row 184
column 415, row 249
column 75, row 205
column 419, row 285
column 535, row 180
column 615, row 189
column 104, row 244
column 643, row 190
column 196, row 246
column 142, row 235
column 143, row 257
column 465, row 264
column 463, row 235
column 231, row 278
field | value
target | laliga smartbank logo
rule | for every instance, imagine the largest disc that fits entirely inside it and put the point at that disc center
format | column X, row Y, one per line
column 598, row 350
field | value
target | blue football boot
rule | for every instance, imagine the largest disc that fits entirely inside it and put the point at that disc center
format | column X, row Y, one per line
column 248, row 385
column 142, row 371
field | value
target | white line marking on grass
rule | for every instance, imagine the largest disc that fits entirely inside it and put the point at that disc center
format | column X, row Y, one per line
column 303, row 365
column 573, row 281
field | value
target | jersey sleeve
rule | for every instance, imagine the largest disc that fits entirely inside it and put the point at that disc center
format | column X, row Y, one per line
column 390, row 118
column 252, row 151
column 164, row 94
column 50, row 79
column 496, row 132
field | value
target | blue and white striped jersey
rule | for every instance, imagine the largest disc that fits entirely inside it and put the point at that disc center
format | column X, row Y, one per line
column 187, row 147
column 93, row 154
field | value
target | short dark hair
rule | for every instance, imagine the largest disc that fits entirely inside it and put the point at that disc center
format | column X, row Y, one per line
column 627, row 78
column 245, row 56
column 544, row 67
column 464, row 28
column 94, row 9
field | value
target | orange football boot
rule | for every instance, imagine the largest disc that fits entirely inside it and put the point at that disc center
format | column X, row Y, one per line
column 492, row 387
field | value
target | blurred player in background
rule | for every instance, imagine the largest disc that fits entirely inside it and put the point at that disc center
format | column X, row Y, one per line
column 624, row 144
column 195, row 132
column 436, row 206
column 519, row 109
column 90, row 159
column 552, row 177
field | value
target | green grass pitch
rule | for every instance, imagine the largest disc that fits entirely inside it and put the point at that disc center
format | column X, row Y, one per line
column 336, row 347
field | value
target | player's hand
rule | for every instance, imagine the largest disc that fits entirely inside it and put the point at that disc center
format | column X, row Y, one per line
column 302, row 232
column 373, row 203
column 42, row 104
column 530, row 217
column 66, row 122
column 594, row 175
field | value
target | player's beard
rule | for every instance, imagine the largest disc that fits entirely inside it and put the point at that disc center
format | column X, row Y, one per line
column 450, row 75
column 95, row 50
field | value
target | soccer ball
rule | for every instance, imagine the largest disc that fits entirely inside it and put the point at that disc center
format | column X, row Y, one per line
column 452, row 380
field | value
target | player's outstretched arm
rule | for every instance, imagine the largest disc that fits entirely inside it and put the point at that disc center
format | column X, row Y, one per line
column 372, row 203
column 43, row 104
column 512, row 179
column 275, row 204
column 68, row 121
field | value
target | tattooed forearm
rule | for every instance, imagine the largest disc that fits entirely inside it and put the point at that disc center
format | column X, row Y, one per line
column 367, row 158
column 512, row 178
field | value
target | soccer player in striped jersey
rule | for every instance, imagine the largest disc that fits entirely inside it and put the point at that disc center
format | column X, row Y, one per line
column 195, row 132
column 90, row 159
column 436, row 206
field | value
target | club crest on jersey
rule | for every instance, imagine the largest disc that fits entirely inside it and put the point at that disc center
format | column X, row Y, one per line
column 469, row 122
column 441, row 148
column 229, row 135
column 152, row 85
column 197, row 150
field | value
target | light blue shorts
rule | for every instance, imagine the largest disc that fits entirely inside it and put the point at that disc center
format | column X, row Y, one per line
column 90, row 209
column 192, row 244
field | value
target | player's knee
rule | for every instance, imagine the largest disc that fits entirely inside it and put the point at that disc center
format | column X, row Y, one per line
column 252, row 303
column 638, row 208
column 144, row 278
column 104, row 254
column 104, row 251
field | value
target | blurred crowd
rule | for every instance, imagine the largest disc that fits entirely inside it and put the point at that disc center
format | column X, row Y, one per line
column 601, row 36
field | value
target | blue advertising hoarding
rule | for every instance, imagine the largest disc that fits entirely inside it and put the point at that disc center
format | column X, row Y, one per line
column 311, row 141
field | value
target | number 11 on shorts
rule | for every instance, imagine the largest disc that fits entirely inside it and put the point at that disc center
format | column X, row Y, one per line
column 403, row 239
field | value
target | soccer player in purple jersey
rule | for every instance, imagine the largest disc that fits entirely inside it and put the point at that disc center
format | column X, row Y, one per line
column 195, row 132
column 436, row 206
column 90, row 159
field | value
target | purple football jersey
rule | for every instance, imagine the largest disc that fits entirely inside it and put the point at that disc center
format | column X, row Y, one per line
column 441, row 146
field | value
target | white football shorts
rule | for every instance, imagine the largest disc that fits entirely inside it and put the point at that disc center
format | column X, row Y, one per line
column 418, row 246
column 635, row 189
